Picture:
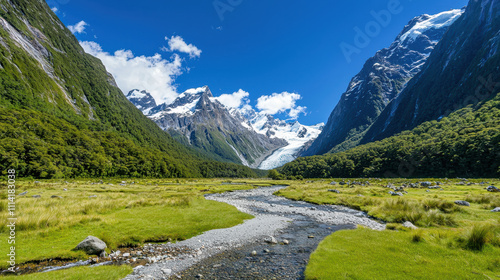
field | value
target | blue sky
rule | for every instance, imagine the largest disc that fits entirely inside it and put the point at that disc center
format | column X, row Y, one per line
column 261, row 47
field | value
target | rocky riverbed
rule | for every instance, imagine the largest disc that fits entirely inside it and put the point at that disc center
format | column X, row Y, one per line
column 276, row 244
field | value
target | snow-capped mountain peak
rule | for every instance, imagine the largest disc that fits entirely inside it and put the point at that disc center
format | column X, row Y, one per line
column 428, row 22
column 259, row 140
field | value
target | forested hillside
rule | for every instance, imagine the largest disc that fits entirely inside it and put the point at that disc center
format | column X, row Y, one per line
column 464, row 144
column 62, row 114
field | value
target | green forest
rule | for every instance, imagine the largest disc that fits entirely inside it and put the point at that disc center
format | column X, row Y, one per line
column 464, row 144
column 72, row 120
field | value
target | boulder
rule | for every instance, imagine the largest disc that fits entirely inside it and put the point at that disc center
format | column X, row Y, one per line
column 91, row 245
column 492, row 189
column 395, row 193
column 426, row 184
column 462, row 203
column 496, row 209
column 409, row 225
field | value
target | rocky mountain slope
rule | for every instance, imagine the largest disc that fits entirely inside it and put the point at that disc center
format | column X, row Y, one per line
column 381, row 80
column 297, row 135
column 452, row 108
column 463, row 69
column 197, row 119
column 62, row 115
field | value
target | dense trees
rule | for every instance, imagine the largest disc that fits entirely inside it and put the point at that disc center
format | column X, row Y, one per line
column 464, row 144
column 44, row 146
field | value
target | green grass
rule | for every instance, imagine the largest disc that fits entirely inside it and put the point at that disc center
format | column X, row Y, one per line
column 367, row 254
column 148, row 211
column 453, row 242
column 79, row 273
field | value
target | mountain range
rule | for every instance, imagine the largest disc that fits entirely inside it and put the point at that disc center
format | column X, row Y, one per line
column 197, row 119
column 62, row 114
column 381, row 80
column 428, row 105
column 445, row 121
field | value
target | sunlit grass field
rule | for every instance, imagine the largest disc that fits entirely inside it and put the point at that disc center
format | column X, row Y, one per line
column 121, row 213
column 452, row 242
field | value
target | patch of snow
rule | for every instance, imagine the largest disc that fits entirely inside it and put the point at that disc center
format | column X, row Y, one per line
column 240, row 156
column 437, row 21
column 194, row 91
column 137, row 94
column 290, row 133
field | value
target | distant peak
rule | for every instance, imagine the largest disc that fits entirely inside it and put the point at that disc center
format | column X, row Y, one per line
column 198, row 91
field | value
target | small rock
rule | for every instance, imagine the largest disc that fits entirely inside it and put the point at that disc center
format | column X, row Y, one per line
column 166, row 271
column 286, row 242
column 37, row 182
column 126, row 255
column 395, row 193
column 333, row 183
column 334, row 191
column 496, row 209
column 65, row 189
column 103, row 254
column 409, row 225
column 37, row 196
column 199, row 276
column 56, row 196
column 313, row 208
column 93, row 196
column 492, row 189
column 23, row 193
column 426, row 184
column 267, row 250
column 254, row 253
column 217, row 265
column 310, row 236
column 462, row 203
column 270, row 240
column 91, row 245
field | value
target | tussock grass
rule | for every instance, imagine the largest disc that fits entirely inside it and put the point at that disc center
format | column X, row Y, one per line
column 79, row 273
column 121, row 215
column 452, row 242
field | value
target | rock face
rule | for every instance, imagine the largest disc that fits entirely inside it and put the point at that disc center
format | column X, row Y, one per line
column 92, row 246
column 142, row 100
column 381, row 80
column 463, row 69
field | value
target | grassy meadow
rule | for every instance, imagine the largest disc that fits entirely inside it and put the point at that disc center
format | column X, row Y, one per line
column 451, row 242
column 122, row 214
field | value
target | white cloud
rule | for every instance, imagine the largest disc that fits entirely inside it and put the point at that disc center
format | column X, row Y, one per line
column 234, row 100
column 151, row 73
column 176, row 43
column 280, row 103
column 54, row 9
column 78, row 28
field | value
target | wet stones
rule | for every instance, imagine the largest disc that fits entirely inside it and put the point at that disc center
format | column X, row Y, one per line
column 270, row 240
